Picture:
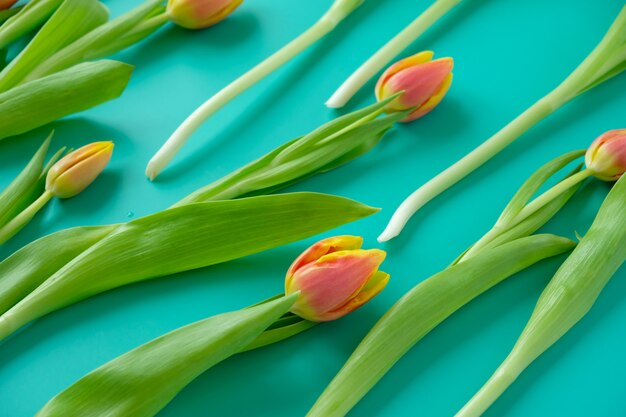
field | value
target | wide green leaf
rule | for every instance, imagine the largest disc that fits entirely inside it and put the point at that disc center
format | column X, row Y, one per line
column 72, row 20
column 184, row 238
column 144, row 380
column 422, row 309
column 79, row 88
column 568, row 297
column 30, row 266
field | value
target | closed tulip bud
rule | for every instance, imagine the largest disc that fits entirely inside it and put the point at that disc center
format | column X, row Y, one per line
column 422, row 81
column 200, row 14
column 5, row 4
column 606, row 157
column 334, row 277
column 75, row 171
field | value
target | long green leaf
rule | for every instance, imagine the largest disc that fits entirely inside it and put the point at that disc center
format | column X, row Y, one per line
column 184, row 238
column 327, row 147
column 79, row 88
column 30, row 266
column 568, row 297
column 144, row 380
column 100, row 37
column 422, row 309
column 29, row 17
column 72, row 20
column 12, row 199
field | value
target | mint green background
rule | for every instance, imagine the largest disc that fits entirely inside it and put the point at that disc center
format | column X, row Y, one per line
column 507, row 54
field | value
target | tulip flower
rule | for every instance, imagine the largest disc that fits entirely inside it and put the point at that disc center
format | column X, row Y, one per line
column 199, row 14
column 66, row 178
column 422, row 81
column 335, row 277
column 74, row 172
column 606, row 156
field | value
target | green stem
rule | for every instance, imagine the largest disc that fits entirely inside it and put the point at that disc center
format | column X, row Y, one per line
column 339, row 10
column 550, row 195
column 465, row 166
column 531, row 208
column 587, row 73
column 389, row 51
column 506, row 374
column 18, row 222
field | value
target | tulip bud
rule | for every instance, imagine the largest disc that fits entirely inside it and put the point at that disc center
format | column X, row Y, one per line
column 200, row 14
column 75, row 171
column 5, row 4
column 606, row 157
column 335, row 277
column 422, row 82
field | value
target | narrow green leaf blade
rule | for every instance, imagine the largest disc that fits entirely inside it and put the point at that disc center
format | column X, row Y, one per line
column 144, row 380
column 29, row 17
column 421, row 310
column 136, row 35
column 6, row 14
column 79, row 88
column 72, row 20
column 181, row 239
column 98, row 38
column 278, row 334
column 12, row 199
column 534, row 182
column 320, row 151
column 30, row 266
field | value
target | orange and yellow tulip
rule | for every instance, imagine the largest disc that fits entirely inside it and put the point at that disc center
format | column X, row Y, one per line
column 335, row 277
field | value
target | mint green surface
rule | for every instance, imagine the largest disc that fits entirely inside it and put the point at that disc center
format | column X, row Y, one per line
column 507, row 54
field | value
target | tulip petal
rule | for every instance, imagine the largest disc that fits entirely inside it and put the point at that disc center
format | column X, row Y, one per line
column 374, row 286
column 200, row 14
column 431, row 103
column 418, row 83
column 419, row 58
column 321, row 248
column 606, row 156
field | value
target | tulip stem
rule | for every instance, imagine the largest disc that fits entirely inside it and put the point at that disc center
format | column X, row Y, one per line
column 18, row 222
column 531, row 208
column 506, row 374
column 338, row 11
column 463, row 167
column 591, row 72
column 388, row 52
